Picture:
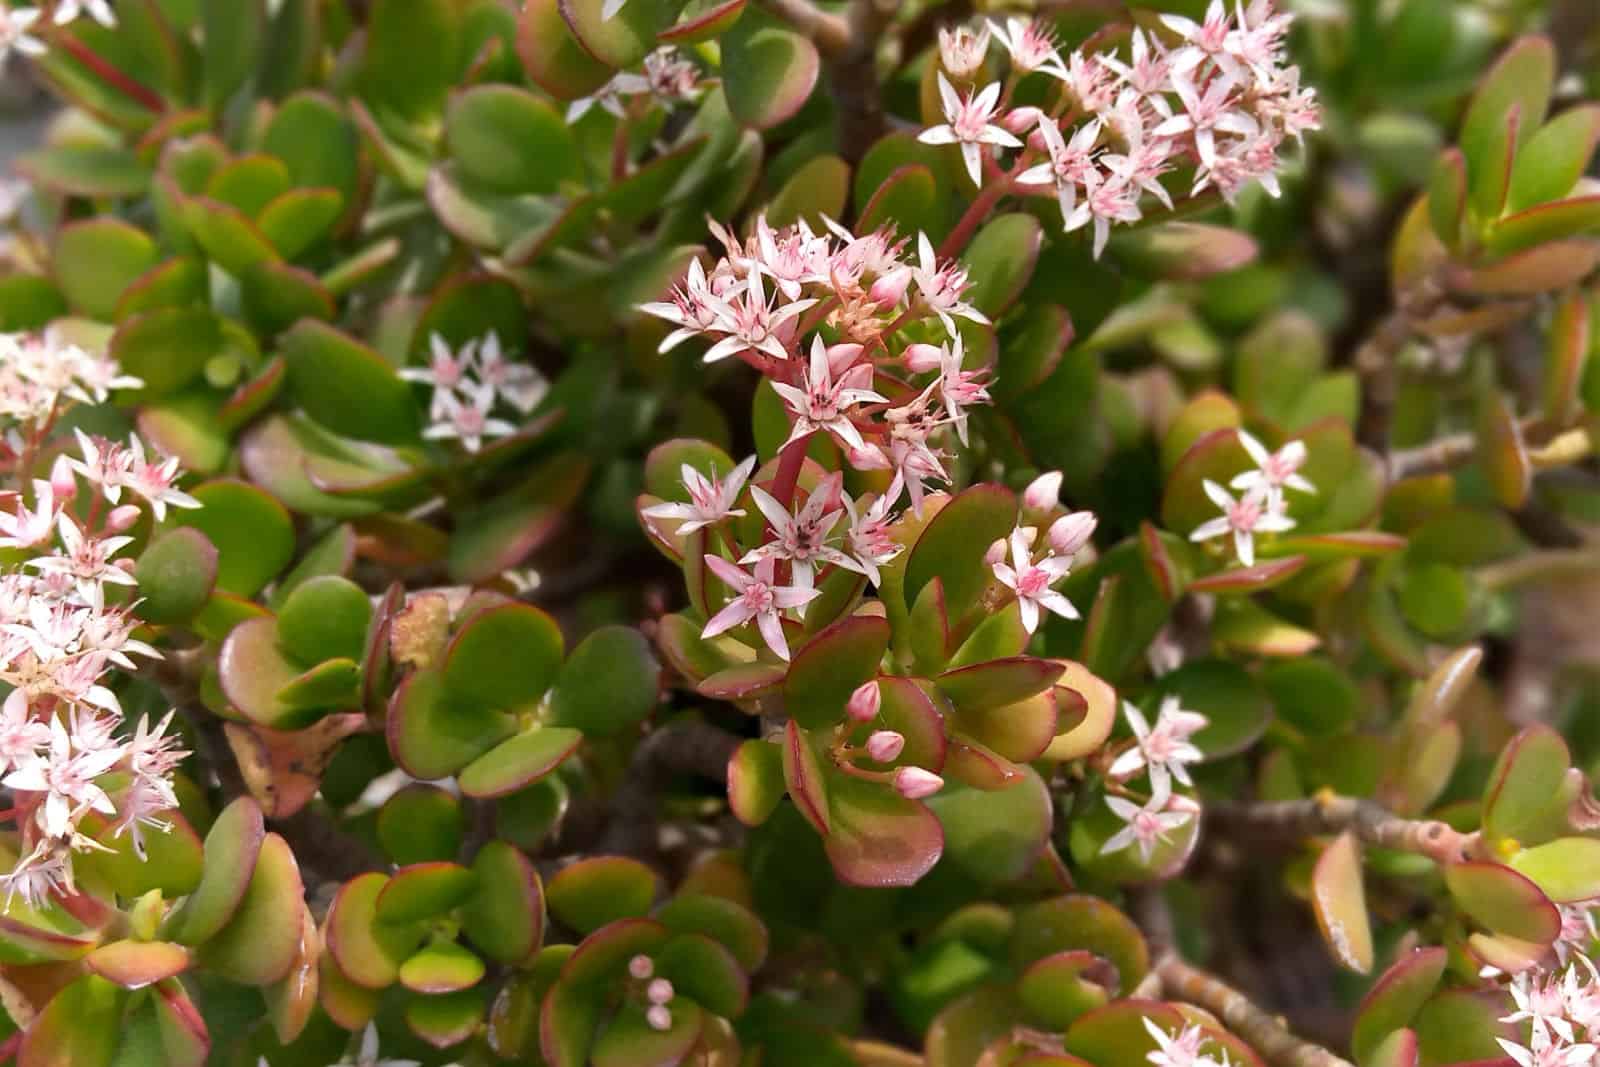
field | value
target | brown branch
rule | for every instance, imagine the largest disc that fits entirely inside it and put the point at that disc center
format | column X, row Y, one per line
column 1374, row 359
column 1546, row 450
column 849, row 46
column 1327, row 813
column 1241, row 1016
column 829, row 32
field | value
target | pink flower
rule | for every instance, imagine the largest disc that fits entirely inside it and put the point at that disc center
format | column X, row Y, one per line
column 155, row 481
column 833, row 383
column 87, row 559
column 792, row 258
column 752, row 324
column 1146, row 826
column 1207, row 114
column 1274, row 471
column 962, row 51
column 1043, row 493
column 1070, row 166
column 468, row 421
column 1031, row 582
column 969, row 122
column 1148, row 71
column 1032, row 46
column 25, row 528
column 692, row 308
column 943, row 287
column 1177, row 1050
column 757, row 599
column 885, row 746
column 21, row 735
column 520, row 384
column 710, row 500
column 1107, row 200
column 868, row 540
column 801, row 538
column 445, row 371
column 958, row 387
column 1165, row 749
column 865, row 702
column 1243, row 518
column 1203, row 40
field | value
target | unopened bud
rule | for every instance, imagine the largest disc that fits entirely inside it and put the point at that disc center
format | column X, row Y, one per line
column 864, row 703
column 1043, row 493
column 914, row 783
column 1020, row 119
column 659, row 1018
column 1071, row 532
column 885, row 746
column 962, row 51
column 62, row 481
column 889, row 290
column 996, row 553
column 641, row 967
column 922, row 357
column 660, row 991
column 122, row 518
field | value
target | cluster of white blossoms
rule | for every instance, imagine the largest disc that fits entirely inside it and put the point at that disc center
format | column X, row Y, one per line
column 665, row 76
column 1182, row 1049
column 1261, row 506
column 1556, row 1007
column 468, row 384
column 19, row 25
column 66, row 626
column 1162, row 752
column 1216, row 96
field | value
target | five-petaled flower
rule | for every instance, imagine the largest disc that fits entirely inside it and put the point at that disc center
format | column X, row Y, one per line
column 1031, row 581
column 1252, row 513
column 969, row 122
column 834, row 380
column 1147, row 825
column 1164, row 750
column 710, row 499
column 1275, row 471
column 757, row 598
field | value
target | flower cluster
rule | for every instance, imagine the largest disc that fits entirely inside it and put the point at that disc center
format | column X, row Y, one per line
column 1163, row 752
column 1216, row 97
column 1261, row 508
column 1182, row 1049
column 666, row 78
column 17, row 23
column 41, row 376
column 1558, row 1009
column 64, row 626
column 468, row 384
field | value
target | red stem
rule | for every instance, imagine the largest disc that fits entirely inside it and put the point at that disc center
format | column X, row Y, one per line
column 979, row 209
column 790, row 460
column 87, row 56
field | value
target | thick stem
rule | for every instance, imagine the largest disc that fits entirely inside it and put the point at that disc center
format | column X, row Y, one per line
column 979, row 209
column 1554, row 565
column 1546, row 451
column 1266, row 1034
column 790, row 462
column 1374, row 360
column 1328, row 813
column 684, row 747
column 829, row 32
column 853, row 76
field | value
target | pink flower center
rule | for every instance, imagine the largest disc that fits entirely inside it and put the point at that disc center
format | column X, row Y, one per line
column 1033, row 582
column 1244, row 514
column 758, row 598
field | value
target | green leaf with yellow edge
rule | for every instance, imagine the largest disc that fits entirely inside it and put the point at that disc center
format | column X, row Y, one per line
column 255, row 677
column 504, row 657
column 232, row 847
column 1554, row 158
column 445, row 1019
column 1503, row 900
column 593, row 892
column 423, row 891
column 1396, row 997
column 878, row 839
column 441, row 967
column 755, row 781
column 818, row 189
column 803, row 775
column 1000, row 261
column 519, row 761
column 1054, row 992
column 1447, row 197
column 831, row 666
column 728, row 923
column 299, row 218
column 1515, row 90
column 1567, row 869
column 325, row 617
column 421, row 823
column 258, row 944
column 184, row 1038
column 704, row 971
column 1460, row 1026
column 136, row 964
column 994, row 837
column 167, row 348
column 510, row 140
column 367, row 952
column 172, row 862
column 1339, row 900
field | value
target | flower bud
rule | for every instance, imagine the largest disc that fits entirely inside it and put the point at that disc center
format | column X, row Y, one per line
column 1019, row 119
column 889, row 290
column 660, row 991
column 922, row 357
column 641, row 967
column 962, row 51
column 1043, row 493
column 1071, row 532
column 122, row 518
column 62, row 481
column 885, row 746
column 914, row 783
column 864, row 703
column 659, row 1018
column 996, row 553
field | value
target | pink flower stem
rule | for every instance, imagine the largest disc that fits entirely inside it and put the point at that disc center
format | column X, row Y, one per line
column 979, row 209
column 109, row 74
column 790, row 460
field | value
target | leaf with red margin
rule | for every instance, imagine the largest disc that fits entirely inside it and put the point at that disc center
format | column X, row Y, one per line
column 831, row 666
column 755, row 781
column 1396, row 997
column 879, row 839
column 802, row 774
column 1246, row 580
column 1504, row 901
column 1339, row 900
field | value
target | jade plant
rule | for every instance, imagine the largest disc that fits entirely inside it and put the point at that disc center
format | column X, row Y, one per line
column 810, row 533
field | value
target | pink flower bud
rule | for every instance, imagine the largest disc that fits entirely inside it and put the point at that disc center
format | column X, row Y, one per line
column 864, row 702
column 996, row 553
column 1043, row 492
column 1021, row 118
column 121, row 518
column 885, row 746
column 660, row 991
column 914, row 783
column 890, row 289
column 659, row 1018
column 62, row 481
column 641, row 967
column 1071, row 532
column 922, row 357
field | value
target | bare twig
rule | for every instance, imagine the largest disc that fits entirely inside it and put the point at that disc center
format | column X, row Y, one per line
column 1545, row 451
column 1374, row 359
column 1267, row 1035
column 1327, row 813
